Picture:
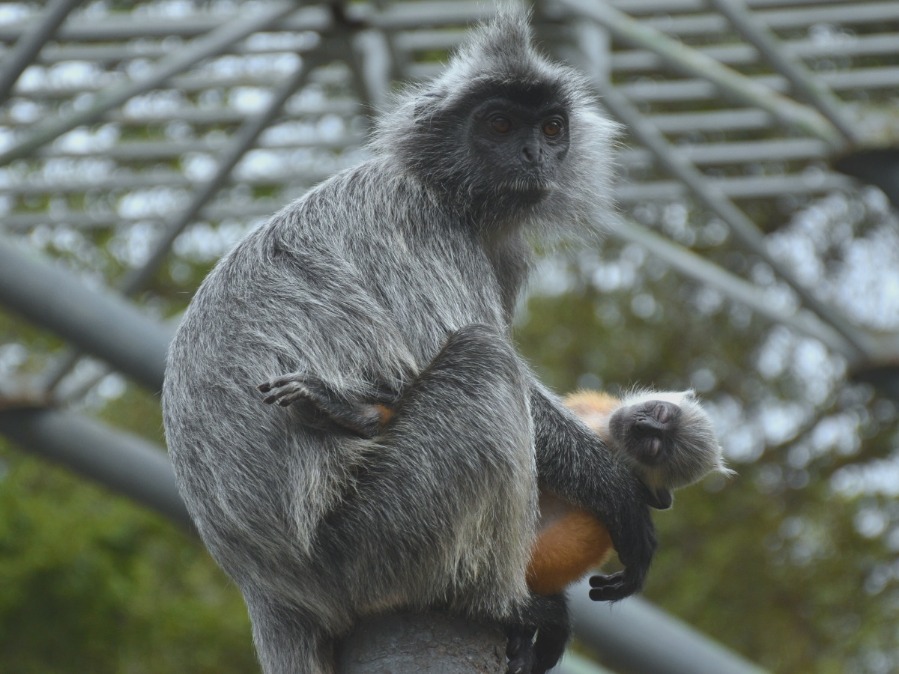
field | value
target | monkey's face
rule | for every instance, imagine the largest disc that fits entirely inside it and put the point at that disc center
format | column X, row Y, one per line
column 517, row 146
column 647, row 431
column 499, row 145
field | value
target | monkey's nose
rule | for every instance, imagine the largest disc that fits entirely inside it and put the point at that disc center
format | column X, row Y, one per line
column 531, row 154
column 658, row 416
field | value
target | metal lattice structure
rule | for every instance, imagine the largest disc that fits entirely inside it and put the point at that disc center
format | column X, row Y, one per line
column 169, row 128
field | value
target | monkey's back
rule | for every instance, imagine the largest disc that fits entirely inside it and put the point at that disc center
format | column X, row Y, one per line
column 348, row 284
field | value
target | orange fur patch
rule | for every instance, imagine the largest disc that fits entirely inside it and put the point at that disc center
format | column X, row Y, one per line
column 566, row 551
column 385, row 413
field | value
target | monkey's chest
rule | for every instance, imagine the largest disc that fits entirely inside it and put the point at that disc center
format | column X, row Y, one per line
column 432, row 290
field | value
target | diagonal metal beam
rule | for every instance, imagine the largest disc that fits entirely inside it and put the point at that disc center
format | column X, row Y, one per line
column 712, row 275
column 120, row 461
column 714, row 199
column 215, row 42
column 95, row 320
column 620, row 632
column 245, row 138
column 30, row 43
column 693, row 62
column 805, row 83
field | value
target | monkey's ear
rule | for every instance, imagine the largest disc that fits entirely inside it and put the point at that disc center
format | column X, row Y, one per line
column 660, row 498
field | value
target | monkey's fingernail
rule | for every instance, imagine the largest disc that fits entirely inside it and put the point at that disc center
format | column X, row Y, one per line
column 284, row 402
column 264, row 388
column 268, row 400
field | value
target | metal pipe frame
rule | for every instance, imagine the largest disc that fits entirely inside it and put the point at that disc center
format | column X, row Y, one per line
column 29, row 45
column 692, row 62
column 714, row 199
column 244, row 140
column 122, row 462
column 96, row 321
column 218, row 40
column 804, row 83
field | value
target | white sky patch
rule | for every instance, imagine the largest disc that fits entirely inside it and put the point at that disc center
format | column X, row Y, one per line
column 205, row 243
column 159, row 102
column 132, row 246
column 781, row 420
column 861, row 238
column 249, row 100
column 260, row 164
column 876, row 477
column 111, row 386
column 198, row 166
column 868, row 280
column 14, row 11
column 85, row 140
column 157, row 201
column 552, row 277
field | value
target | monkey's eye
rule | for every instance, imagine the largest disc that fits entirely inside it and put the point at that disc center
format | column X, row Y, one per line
column 500, row 124
column 552, row 127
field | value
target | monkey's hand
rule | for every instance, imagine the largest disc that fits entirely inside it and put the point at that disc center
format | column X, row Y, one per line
column 635, row 544
column 324, row 407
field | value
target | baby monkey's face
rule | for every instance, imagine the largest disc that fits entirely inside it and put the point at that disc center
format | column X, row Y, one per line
column 668, row 439
column 648, row 431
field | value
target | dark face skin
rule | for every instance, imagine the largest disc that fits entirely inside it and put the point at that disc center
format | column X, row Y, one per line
column 518, row 147
column 648, row 432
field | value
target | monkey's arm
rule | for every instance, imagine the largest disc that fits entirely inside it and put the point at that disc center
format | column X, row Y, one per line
column 322, row 406
column 574, row 463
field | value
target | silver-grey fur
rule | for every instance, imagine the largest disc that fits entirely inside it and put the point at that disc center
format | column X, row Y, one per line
column 399, row 274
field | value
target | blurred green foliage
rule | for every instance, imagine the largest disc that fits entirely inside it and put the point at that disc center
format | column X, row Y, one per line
column 90, row 582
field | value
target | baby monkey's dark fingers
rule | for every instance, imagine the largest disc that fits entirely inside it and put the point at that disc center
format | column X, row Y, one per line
column 614, row 587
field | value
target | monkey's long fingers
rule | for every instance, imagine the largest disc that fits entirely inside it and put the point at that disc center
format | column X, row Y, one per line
column 283, row 381
column 614, row 587
column 284, row 395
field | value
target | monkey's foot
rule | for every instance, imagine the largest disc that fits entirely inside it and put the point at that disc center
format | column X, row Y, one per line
column 324, row 407
column 520, row 652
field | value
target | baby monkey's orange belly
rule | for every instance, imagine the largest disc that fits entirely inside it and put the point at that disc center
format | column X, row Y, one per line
column 566, row 550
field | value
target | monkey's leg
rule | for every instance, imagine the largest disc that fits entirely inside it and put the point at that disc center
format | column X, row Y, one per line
column 442, row 506
column 322, row 406
column 575, row 464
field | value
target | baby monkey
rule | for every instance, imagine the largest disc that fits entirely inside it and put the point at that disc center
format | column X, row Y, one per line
column 665, row 436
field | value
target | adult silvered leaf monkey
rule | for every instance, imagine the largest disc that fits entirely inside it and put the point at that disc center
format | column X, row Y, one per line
column 402, row 273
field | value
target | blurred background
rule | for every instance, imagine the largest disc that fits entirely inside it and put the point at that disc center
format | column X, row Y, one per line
column 755, row 259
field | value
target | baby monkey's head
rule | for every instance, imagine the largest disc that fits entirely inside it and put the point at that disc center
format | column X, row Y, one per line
column 668, row 439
